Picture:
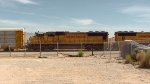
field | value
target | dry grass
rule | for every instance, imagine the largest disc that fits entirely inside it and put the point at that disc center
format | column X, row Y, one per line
column 131, row 59
column 80, row 53
column 144, row 59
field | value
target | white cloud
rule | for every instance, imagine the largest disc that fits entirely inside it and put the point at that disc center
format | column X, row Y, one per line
column 11, row 3
column 29, row 26
column 84, row 22
column 8, row 21
column 142, row 13
column 19, row 12
column 145, row 16
column 136, row 10
column 26, row 1
column 16, row 23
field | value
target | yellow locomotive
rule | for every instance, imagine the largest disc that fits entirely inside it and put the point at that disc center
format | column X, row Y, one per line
column 140, row 37
column 68, row 40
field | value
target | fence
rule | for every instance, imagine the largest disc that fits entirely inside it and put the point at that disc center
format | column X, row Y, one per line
column 56, row 52
column 25, row 53
column 124, row 48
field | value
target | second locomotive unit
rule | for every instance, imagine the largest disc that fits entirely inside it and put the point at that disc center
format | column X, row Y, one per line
column 68, row 40
column 140, row 37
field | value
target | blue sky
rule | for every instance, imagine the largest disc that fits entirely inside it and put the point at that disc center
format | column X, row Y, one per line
column 76, row 15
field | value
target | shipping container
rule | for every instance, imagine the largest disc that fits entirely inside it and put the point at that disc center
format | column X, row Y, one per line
column 13, row 38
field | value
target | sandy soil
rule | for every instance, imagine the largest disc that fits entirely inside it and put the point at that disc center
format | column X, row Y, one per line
column 70, row 70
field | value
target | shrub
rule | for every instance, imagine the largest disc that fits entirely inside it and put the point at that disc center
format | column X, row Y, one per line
column 80, row 53
column 131, row 58
column 140, row 57
column 128, row 59
column 148, row 59
column 145, row 60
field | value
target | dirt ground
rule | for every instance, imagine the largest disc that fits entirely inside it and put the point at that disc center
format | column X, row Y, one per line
column 70, row 70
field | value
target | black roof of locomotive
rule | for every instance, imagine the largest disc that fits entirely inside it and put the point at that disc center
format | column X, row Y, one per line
column 130, row 32
column 90, row 33
column 77, row 32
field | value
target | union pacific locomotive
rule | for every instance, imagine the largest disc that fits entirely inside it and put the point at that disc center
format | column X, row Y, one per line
column 68, row 40
column 140, row 37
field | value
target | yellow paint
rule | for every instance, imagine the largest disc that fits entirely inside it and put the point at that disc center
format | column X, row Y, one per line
column 140, row 37
column 69, row 38
column 20, row 39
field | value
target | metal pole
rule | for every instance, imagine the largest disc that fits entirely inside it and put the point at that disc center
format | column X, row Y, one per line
column 110, row 48
column 40, row 49
column 131, row 48
column 81, row 45
column 25, row 43
column 119, row 48
column 57, row 48
column 10, row 50
column 104, row 48
column 92, row 50
column 25, row 51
